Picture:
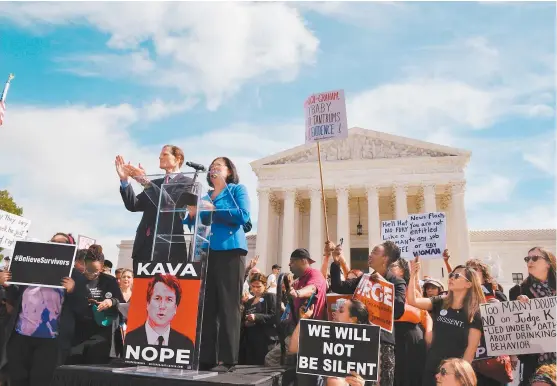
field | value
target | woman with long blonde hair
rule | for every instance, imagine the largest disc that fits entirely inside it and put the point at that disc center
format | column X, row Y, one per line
column 457, row 324
column 456, row 372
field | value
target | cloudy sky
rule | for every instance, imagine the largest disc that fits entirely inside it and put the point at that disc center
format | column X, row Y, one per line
column 94, row 80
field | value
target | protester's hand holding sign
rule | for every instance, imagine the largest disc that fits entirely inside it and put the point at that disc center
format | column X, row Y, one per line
column 69, row 284
column 355, row 380
column 306, row 314
column 523, row 298
column 4, row 277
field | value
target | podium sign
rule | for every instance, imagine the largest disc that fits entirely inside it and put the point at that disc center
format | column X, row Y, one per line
column 166, row 308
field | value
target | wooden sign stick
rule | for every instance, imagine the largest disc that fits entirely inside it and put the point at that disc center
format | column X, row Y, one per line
column 323, row 192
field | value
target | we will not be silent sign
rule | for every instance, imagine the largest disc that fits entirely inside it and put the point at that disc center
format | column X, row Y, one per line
column 333, row 349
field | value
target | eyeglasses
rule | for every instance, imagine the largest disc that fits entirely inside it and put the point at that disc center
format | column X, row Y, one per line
column 534, row 258
column 94, row 273
column 443, row 371
column 457, row 276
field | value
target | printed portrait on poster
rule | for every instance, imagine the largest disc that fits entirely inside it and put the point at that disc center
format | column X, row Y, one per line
column 162, row 318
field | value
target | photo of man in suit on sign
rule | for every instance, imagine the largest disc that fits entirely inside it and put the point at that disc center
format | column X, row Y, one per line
column 163, row 298
column 171, row 160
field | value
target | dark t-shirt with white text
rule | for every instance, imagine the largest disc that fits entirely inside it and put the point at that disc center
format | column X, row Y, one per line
column 450, row 336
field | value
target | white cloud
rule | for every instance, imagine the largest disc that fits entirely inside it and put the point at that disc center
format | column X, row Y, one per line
column 64, row 177
column 489, row 189
column 542, row 155
column 208, row 49
column 533, row 217
column 159, row 109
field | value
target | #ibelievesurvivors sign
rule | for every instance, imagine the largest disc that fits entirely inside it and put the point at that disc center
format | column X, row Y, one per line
column 515, row 328
column 41, row 264
column 338, row 349
column 326, row 116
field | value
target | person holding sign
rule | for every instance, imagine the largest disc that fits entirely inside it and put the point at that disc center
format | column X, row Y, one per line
column 540, row 283
column 41, row 326
column 381, row 257
column 457, row 323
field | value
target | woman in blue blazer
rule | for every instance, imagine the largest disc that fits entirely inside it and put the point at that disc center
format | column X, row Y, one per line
column 230, row 211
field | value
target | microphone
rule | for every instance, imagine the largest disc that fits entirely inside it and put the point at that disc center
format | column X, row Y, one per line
column 198, row 167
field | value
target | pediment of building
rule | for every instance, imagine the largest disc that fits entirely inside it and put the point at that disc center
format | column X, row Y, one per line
column 362, row 145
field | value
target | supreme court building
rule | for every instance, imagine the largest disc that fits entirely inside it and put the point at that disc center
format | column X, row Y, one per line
column 368, row 178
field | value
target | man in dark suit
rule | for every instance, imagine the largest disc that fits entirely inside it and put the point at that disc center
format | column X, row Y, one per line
column 163, row 298
column 170, row 222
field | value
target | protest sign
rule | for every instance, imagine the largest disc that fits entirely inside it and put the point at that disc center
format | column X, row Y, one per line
column 326, row 116
column 41, row 264
column 427, row 233
column 84, row 242
column 378, row 296
column 481, row 351
column 424, row 233
column 516, row 328
column 397, row 232
column 12, row 229
column 336, row 349
column 333, row 301
column 163, row 317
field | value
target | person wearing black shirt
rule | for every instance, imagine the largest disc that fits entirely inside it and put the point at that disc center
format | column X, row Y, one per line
column 379, row 260
column 457, row 324
column 93, row 337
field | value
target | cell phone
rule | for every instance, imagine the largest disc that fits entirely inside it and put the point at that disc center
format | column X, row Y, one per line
column 311, row 300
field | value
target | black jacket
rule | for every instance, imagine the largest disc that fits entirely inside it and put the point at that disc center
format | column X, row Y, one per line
column 138, row 337
column 349, row 286
column 169, row 222
column 74, row 307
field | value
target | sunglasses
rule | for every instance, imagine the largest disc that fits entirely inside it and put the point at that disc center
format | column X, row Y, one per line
column 534, row 258
column 443, row 371
column 457, row 276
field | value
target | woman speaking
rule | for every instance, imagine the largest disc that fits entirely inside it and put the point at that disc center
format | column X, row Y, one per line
column 230, row 206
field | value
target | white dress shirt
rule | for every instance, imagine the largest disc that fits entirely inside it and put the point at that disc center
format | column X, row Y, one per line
column 153, row 336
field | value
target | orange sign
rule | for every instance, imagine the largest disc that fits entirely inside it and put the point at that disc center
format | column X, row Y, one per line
column 332, row 303
column 378, row 296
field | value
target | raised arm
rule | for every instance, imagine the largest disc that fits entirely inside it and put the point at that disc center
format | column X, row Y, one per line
column 412, row 299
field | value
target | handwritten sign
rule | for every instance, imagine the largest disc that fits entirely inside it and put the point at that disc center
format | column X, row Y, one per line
column 516, row 328
column 84, row 242
column 378, row 296
column 326, row 116
column 427, row 235
column 424, row 233
column 397, row 232
column 338, row 349
column 12, row 229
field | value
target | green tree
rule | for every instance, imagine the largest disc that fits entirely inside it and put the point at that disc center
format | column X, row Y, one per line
column 8, row 204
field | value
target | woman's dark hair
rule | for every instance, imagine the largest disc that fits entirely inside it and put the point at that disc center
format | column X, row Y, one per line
column 359, row 311
column 403, row 264
column 232, row 178
column 95, row 253
column 258, row 277
column 67, row 236
column 81, row 255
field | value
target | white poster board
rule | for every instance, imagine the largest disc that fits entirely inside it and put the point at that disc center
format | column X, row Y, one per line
column 325, row 115
column 424, row 233
column 84, row 242
column 397, row 232
column 12, row 229
column 516, row 328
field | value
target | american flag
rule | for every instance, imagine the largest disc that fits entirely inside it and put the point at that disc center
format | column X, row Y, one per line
column 3, row 99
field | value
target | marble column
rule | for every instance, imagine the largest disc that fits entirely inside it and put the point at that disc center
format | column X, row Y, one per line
column 373, row 219
column 431, row 267
column 273, row 235
column 261, row 245
column 401, row 205
column 316, row 232
column 430, row 205
column 343, row 220
column 459, row 223
column 288, row 226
